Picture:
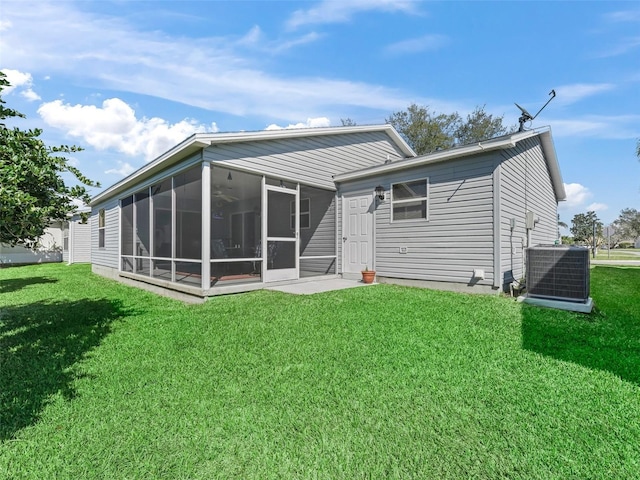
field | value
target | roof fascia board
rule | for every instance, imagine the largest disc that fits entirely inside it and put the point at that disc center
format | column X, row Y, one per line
column 458, row 152
column 185, row 148
column 554, row 168
column 511, row 141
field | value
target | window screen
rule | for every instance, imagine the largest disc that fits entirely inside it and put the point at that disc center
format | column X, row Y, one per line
column 410, row 200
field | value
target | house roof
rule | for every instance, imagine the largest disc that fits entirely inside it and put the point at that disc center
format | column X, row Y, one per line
column 498, row 143
column 198, row 141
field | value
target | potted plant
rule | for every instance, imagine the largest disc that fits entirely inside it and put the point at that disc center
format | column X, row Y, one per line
column 368, row 275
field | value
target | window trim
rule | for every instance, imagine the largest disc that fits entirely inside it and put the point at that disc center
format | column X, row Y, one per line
column 65, row 237
column 307, row 213
column 102, row 222
column 424, row 199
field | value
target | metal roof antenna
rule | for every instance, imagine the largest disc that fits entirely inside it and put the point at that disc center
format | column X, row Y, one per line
column 526, row 116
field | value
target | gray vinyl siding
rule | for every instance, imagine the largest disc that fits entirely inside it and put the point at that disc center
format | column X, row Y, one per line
column 525, row 184
column 80, row 241
column 107, row 256
column 458, row 236
column 320, row 238
column 312, row 160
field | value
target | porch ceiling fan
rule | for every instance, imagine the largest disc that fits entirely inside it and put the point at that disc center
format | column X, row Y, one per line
column 216, row 192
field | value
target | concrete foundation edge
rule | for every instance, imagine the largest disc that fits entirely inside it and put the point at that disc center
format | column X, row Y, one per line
column 164, row 290
column 558, row 304
column 447, row 286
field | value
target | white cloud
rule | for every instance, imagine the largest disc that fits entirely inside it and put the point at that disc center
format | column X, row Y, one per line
column 124, row 170
column 624, row 16
column 22, row 82
column 577, row 195
column 73, row 161
column 30, row 95
column 256, row 40
column 598, row 126
column 417, row 45
column 252, row 37
column 289, row 44
column 568, row 94
column 330, row 11
column 17, row 79
column 622, row 47
column 213, row 73
column 115, row 126
column 311, row 123
column 597, row 207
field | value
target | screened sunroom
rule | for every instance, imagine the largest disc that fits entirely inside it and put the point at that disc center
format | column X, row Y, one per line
column 221, row 230
column 232, row 212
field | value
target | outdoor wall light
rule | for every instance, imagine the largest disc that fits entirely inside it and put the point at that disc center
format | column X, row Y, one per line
column 379, row 191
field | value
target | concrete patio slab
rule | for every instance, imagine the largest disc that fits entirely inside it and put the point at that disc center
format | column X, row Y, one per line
column 320, row 286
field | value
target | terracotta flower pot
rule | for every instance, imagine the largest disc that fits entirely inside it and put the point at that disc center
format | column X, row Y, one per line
column 368, row 276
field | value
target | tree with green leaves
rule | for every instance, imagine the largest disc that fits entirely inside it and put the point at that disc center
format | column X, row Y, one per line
column 562, row 224
column 32, row 191
column 628, row 224
column 567, row 240
column 582, row 228
column 427, row 132
column 423, row 130
column 480, row 126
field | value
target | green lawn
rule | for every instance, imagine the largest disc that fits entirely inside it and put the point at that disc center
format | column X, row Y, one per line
column 99, row 380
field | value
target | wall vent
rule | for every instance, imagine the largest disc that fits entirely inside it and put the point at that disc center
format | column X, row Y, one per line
column 558, row 272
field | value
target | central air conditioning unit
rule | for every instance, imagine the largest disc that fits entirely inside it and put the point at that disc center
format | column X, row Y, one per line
column 558, row 272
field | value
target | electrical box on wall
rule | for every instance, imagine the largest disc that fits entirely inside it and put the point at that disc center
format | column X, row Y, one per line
column 530, row 220
column 478, row 274
column 404, row 250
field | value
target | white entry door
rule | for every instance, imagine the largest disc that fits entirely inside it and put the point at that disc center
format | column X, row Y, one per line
column 357, row 233
column 282, row 224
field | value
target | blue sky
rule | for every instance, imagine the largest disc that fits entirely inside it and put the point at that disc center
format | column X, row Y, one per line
column 126, row 80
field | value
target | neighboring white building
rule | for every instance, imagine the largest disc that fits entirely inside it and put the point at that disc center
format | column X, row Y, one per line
column 68, row 242
column 76, row 238
column 49, row 249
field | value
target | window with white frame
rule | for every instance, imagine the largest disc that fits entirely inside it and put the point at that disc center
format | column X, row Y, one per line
column 101, row 227
column 410, row 200
column 305, row 214
column 65, row 237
